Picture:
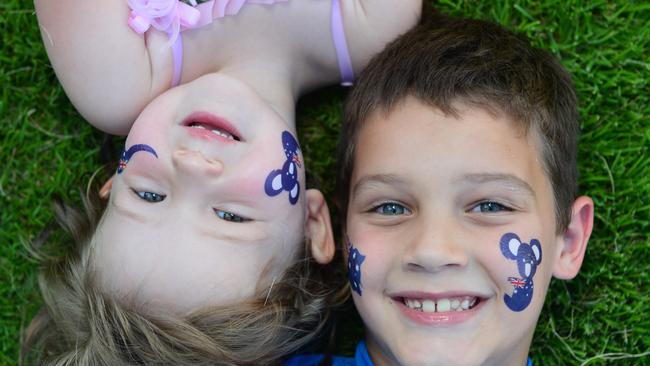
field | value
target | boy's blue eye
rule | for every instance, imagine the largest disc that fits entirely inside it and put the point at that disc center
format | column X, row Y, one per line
column 391, row 209
column 489, row 206
column 150, row 196
column 229, row 216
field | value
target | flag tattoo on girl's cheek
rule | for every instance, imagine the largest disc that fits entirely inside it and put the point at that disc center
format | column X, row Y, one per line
column 355, row 259
column 127, row 154
column 528, row 257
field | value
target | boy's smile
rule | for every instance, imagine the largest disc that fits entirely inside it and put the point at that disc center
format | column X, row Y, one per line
column 431, row 196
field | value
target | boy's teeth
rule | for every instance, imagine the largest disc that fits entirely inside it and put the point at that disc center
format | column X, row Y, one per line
column 465, row 304
column 455, row 304
column 428, row 306
column 441, row 305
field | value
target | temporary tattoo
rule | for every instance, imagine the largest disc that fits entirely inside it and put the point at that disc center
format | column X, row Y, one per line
column 355, row 259
column 528, row 257
column 286, row 178
column 127, row 154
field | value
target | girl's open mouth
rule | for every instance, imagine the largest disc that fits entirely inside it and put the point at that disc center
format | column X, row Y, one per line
column 205, row 124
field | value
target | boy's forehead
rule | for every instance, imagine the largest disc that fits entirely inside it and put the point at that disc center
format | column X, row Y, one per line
column 418, row 128
column 384, row 117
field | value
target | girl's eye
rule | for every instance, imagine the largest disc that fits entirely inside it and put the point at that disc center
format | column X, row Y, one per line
column 489, row 207
column 229, row 216
column 150, row 196
column 391, row 209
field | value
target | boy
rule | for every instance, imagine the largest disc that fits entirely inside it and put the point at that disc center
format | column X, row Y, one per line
column 459, row 185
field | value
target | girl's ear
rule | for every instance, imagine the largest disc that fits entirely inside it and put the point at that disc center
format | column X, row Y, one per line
column 106, row 188
column 318, row 227
column 573, row 243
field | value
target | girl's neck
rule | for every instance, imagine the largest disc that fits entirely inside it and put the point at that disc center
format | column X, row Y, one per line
column 272, row 81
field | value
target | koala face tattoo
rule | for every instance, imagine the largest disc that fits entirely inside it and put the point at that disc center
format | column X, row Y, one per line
column 286, row 178
column 528, row 257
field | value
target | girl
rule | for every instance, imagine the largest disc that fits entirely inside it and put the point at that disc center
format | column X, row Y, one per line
column 197, row 258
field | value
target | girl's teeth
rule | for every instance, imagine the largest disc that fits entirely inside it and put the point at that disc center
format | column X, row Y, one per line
column 216, row 132
column 441, row 305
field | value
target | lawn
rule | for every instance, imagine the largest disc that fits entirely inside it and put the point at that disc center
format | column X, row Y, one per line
column 47, row 150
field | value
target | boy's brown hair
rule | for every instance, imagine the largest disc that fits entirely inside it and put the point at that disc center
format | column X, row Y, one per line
column 448, row 60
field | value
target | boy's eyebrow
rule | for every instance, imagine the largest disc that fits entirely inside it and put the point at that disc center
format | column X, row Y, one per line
column 508, row 180
column 369, row 180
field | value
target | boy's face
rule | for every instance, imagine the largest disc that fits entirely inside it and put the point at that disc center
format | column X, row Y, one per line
column 196, row 217
column 452, row 236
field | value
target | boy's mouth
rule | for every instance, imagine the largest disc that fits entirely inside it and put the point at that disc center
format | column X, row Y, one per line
column 441, row 305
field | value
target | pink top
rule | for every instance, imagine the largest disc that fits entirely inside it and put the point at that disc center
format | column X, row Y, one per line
column 174, row 16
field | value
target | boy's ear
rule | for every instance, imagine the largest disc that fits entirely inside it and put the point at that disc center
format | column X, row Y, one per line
column 318, row 227
column 573, row 243
column 106, row 188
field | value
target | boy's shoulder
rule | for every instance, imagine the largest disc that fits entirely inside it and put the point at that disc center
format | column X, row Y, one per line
column 361, row 358
column 315, row 360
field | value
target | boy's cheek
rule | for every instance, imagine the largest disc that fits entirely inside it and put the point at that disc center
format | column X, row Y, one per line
column 376, row 251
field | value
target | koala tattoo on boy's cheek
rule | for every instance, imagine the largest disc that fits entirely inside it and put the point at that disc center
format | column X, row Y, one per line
column 355, row 259
column 286, row 178
column 528, row 257
column 127, row 154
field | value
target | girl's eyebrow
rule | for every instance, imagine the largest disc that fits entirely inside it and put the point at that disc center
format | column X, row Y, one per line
column 509, row 181
column 127, row 154
column 368, row 181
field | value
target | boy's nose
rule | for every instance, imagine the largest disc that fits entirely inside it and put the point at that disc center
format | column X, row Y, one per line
column 194, row 163
column 436, row 247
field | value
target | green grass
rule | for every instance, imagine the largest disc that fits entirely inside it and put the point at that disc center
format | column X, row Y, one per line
column 598, row 318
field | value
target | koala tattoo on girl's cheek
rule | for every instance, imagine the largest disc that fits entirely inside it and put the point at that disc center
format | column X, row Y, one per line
column 528, row 257
column 286, row 178
column 127, row 154
column 355, row 259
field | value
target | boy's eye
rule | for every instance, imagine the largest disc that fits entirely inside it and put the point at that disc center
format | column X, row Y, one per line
column 489, row 206
column 391, row 209
column 150, row 196
column 229, row 216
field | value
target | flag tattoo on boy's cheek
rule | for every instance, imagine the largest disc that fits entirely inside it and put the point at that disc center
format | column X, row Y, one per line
column 355, row 259
column 528, row 257
column 286, row 178
column 127, row 154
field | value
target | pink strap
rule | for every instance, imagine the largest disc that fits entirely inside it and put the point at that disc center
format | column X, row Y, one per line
column 340, row 45
column 177, row 57
column 173, row 17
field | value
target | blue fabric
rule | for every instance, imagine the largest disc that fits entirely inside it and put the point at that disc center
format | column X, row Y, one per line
column 361, row 358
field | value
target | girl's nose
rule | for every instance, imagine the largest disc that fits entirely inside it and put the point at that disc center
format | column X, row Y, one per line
column 194, row 163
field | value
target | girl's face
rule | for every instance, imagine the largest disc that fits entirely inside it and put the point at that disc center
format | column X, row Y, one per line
column 208, row 204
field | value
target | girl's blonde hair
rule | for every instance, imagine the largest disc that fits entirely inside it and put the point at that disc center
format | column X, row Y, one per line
column 80, row 325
